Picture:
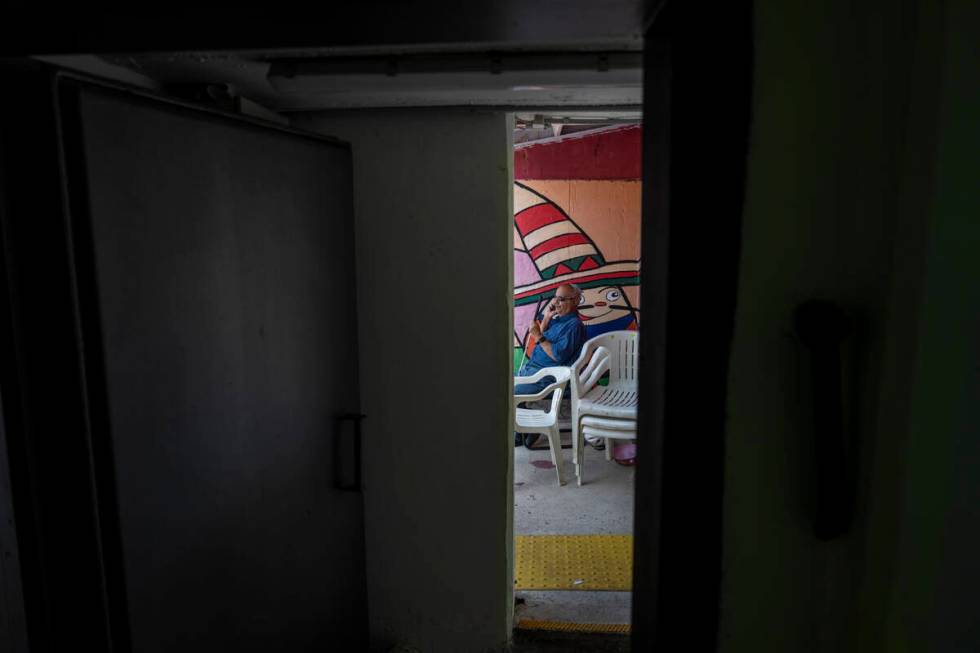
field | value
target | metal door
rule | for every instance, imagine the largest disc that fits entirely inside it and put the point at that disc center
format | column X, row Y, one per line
column 213, row 264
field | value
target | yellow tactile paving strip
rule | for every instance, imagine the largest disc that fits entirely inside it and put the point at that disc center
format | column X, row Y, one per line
column 563, row 626
column 574, row 562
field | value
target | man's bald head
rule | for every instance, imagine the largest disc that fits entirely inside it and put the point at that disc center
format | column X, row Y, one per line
column 567, row 289
column 566, row 298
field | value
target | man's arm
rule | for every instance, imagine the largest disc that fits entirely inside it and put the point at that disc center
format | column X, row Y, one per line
column 536, row 332
column 549, row 313
column 560, row 346
column 538, row 329
column 548, row 349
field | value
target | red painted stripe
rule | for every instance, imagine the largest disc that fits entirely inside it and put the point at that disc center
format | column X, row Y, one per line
column 591, row 277
column 565, row 240
column 615, row 154
column 537, row 216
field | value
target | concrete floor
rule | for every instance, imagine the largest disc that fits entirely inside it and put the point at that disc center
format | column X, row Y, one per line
column 603, row 504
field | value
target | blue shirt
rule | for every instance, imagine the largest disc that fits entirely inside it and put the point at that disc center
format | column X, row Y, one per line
column 566, row 333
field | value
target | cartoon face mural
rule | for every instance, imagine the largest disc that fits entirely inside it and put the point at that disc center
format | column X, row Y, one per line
column 606, row 308
column 552, row 248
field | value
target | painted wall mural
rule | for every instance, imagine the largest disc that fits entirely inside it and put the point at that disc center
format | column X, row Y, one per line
column 583, row 231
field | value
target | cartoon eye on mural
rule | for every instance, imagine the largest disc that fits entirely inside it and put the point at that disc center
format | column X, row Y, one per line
column 551, row 249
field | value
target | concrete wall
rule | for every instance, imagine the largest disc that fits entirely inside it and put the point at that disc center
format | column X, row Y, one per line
column 434, row 239
column 861, row 189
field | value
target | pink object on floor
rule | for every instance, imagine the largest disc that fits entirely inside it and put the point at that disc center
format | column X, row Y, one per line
column 625, row 454
column 543, row 464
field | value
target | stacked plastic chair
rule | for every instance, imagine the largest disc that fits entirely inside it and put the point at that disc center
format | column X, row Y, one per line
column 606, row 411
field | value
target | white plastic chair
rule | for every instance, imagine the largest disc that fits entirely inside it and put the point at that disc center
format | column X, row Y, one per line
column 530, row 420
column 605, row 411
column 608, row 430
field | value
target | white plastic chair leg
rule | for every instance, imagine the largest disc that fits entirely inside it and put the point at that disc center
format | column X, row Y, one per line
column 575, row 429
column 554, row 440
column 609, row 448
column 579, row 453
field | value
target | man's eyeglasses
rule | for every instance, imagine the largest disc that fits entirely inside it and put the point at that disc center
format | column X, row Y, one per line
column 564, row 299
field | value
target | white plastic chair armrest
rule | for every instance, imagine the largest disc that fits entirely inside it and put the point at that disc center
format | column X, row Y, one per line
column 584, row 357
column 537, row 376
column 587, row 379
column 561, row 374
column 580, row 362
column 558, row 388
column 540, row 395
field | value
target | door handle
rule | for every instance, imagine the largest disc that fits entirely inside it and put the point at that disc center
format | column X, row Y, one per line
column 338, row 468
column 822, row 327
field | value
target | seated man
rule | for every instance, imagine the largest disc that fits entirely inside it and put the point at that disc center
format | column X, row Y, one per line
column 560, row 336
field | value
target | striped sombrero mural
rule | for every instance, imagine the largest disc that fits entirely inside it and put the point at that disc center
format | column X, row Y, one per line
column 560, row 250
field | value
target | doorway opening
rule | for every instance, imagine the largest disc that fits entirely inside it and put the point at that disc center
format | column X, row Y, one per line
column 576, row 213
